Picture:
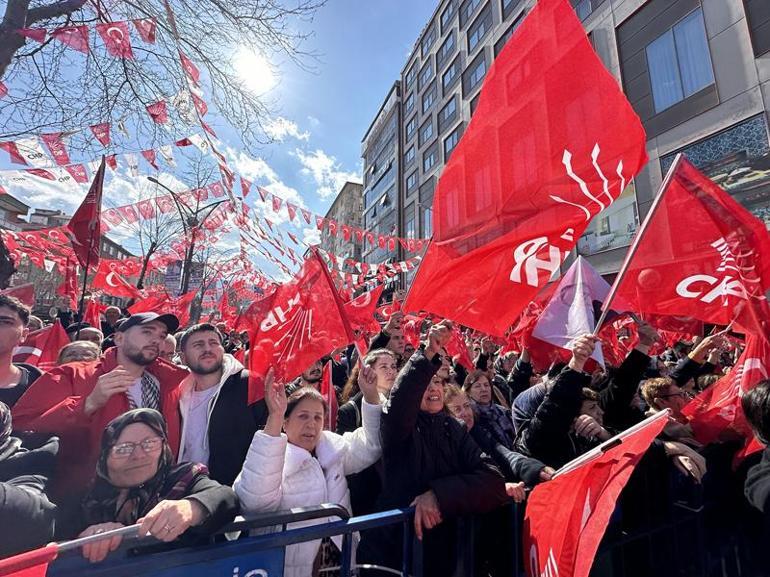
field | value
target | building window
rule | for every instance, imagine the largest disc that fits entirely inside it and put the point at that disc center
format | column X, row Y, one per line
column 474, row 74
column 450, row 76
column 409, row 156
column 447, row 114
column 409, row 103
column 430, row 158
column 480, row 28
column 447, row 15
column 508, row 7
column 583, row 8
column 409, row 225
column 410, row 76
column 446, row 49
column 428, row 98
column 427, row 222
column 411, row 126
column 758, row 17
column 426, row 74
column 411, row 181
column 450, row 142
column 428, row 40
column 679, row 62
column 467, row 10
column 426, row 131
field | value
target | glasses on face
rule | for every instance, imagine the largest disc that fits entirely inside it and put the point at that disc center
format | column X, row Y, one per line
column 125, row 450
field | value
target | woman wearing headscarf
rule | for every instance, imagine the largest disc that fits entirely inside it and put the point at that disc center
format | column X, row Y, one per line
column 24, row 473
column 138, row 482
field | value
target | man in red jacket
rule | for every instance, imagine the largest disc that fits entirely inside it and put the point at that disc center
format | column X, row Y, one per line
column 75, row 401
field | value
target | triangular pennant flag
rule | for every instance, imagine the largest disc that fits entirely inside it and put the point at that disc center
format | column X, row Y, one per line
column 116, row 39
column 76, row 37
column 146, row 27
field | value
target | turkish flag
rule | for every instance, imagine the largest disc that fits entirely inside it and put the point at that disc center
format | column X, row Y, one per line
column 294, row 326
column 36, row 34
column 113, row 284
column 91, row 314
column 566, row 517
column 128, row 212
column 217, row 191
column 75, row 37
column 41, row 348
column 227, row 313
column 360, row 311
column 150, row 156
column 156, row 304
column 456, row 347
column 102, row 133
column 69, row 286
column 165, row 203
column 54, row 142
column 306, row 215
column 245, row 186
column 84, row 227
column 277, row 201
column 292, row 210
column 146, row 27
column 552, row 142
column 112, row 216
column 190, row 69
column 411, row 326
column 700, row 254
column 24, row 292
column 158, row 111
column 116, row 39
column 146, row 208
column 717, row 410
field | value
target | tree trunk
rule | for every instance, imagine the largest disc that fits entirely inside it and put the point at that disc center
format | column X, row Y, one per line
column 150, row 251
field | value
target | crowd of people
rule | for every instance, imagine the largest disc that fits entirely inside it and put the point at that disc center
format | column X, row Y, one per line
column 141, row 423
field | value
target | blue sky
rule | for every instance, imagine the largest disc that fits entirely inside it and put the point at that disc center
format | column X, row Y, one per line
column 320, row 116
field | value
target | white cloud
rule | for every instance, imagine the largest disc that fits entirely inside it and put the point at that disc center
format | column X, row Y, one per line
column 325, row 171
column 311, row 236
column 280, row 128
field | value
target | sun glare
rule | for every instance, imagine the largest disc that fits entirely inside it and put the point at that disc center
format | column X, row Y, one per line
column 255, row 70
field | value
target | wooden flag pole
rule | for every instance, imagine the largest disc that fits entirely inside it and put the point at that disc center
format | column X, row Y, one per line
column 635, row 246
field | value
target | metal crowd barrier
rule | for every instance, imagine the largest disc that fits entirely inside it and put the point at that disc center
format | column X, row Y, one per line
column 247, row 556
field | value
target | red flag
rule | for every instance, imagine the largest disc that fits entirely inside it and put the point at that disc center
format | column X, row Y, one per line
column 69, row 286
column 13, row 151
column 84, row 228
column 75, row 37
column 129, row 214
column 718, row 408
column 154, row 304
column 245, row 186
column 146, row 28
column 566, row 517
column 116, row 39
column 216, row 189
column 24, row 292
column 30, row 564
column 158, row 111
column 91, row 314
column 457, row 347
column 55, row 145
column 277, row 203
column 36, row 34
column 189, row 68
column 102, row 133
column 306, row 215
column 113, row 284
column 292, row 210
column 360, row 311
column 700, row 254
column 150, row 156
column 146, row 208
column 295, row 326
column 3, row 90
column 77, row 172
column 552, row 142
column 330, row 394
column 226, row 312
column 41, row 348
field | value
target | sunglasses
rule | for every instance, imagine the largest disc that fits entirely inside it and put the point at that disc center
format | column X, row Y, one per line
column 148, row 445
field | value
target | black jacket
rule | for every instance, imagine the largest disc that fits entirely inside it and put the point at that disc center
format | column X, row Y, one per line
column 515, row 466
column 615, row 398
column 231, row 428
column 518, row 379
column 547, row 435
column 757, row 486
column 27, row 513
column 29, row 374
column 423, row 452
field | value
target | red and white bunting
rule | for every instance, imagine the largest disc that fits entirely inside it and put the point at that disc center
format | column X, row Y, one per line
column 116, row 39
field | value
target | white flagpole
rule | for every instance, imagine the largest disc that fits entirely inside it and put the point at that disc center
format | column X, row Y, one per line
column 597, row 452
column 632, row 251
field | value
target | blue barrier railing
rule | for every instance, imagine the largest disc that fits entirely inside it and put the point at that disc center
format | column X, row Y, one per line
column 250, row 556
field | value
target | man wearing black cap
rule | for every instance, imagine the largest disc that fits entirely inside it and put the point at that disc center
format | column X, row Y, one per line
column 77, row 400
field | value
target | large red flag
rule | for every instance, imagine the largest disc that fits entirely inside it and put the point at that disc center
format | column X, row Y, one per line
column 567, row 516
column 552, row 142
column 716, row 411
column 84, row 228
column 24, row 292
column 361, row 309
column 296, row 325
column 112, row 283
column 700, row 254
column 41, row 348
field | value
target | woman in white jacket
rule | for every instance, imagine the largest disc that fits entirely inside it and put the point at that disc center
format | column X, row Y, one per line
column 306, row 465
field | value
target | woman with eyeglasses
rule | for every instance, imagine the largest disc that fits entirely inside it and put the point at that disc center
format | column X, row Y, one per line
column 138, row 482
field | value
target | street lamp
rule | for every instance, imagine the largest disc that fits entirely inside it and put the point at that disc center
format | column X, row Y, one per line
column 190, row 221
